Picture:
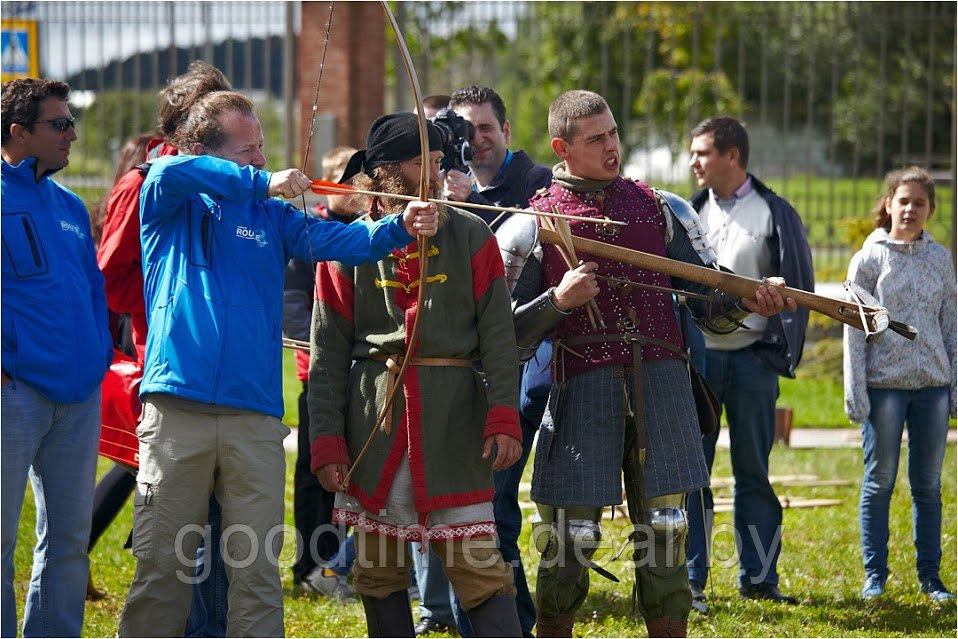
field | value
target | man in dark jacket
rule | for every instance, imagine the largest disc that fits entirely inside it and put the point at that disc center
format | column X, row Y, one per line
column 757, row 234
column 505, row 178
column 56, row 349
column 497, row 176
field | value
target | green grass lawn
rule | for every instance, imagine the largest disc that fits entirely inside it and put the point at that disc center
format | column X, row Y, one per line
column 816, row 399
column 820, row 564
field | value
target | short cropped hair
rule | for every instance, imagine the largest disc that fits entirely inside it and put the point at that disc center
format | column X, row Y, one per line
column 21, row 101
column 335, row 161
column 202, row 124
column 183, row 91
column 570, row 107
column 727, row 133
column 435, row 102
column 477, row 95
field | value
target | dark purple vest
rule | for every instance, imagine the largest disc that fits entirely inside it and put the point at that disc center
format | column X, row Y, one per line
column 634, row 310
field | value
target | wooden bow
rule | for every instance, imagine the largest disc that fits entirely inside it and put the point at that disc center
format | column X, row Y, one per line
column 422, row 242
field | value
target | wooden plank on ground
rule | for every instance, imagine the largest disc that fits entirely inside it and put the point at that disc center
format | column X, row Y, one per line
column 786, row 480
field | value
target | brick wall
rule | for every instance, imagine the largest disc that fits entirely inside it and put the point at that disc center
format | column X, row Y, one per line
column 353, row 86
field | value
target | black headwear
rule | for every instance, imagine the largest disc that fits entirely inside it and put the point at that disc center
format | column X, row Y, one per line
column 392, row 138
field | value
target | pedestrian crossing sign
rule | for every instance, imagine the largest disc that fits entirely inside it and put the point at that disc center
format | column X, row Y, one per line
column 19, row 51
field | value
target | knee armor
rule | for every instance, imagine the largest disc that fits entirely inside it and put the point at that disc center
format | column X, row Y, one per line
column 568, row 545
column 667, row 528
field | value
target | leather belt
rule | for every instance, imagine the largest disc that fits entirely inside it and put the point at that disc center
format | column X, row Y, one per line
column 394, row 363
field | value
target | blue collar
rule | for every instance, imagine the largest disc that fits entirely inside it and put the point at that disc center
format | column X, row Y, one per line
column 26, row 170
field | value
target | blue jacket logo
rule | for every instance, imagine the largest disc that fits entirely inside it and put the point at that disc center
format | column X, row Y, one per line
column 73, row 228
column 249, row 234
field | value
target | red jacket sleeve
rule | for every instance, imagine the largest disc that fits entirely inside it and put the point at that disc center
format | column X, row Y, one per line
column 119, row 255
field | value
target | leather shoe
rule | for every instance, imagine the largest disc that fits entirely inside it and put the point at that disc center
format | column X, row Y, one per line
column 766, row 591
column 428, row 625
column 698, row 597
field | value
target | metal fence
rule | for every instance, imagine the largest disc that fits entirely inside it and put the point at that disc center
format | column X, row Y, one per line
column 116, row 56
column 834, row 93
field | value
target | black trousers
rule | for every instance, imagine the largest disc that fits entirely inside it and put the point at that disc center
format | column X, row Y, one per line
column 108, row 499
column 312, row 505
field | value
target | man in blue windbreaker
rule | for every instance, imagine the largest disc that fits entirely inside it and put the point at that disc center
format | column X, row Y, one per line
column 216, row 241
column 56, row 349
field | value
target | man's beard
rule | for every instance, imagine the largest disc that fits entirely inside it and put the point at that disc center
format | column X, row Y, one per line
column 389, row 178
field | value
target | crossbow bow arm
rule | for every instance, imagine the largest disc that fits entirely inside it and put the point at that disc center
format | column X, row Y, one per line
column 863, row 312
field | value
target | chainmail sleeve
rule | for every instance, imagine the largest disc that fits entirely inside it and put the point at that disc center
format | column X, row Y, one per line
column 534, row 314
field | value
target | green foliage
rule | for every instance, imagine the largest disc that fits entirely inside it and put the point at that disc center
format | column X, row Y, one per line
column 292, row 387
column 791, row 65
column 823, row 358
column 663, row 94
column 856, row 230
column 270, row 115
column 114, row 116
column 112, row 119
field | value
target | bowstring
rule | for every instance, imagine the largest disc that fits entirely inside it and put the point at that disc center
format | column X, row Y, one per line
column 309, row 146
column 312, row 120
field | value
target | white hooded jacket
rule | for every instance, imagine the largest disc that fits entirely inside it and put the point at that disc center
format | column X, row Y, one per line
column 916, row 283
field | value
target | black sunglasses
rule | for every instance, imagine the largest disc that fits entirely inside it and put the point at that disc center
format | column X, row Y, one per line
column 60, row 125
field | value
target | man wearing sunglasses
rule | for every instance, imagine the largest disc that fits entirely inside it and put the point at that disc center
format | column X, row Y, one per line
column 56, row 349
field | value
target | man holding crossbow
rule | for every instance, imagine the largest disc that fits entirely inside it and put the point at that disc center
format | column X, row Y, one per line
column 621, row 400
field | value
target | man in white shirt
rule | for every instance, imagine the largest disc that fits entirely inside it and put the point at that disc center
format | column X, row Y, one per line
column 757, row 234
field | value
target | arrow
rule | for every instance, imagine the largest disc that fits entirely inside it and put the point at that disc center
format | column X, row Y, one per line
column 325, row 187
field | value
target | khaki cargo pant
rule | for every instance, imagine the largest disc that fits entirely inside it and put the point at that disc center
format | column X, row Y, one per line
column 184, row 456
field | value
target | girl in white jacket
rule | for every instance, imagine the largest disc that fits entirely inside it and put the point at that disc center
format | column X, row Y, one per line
column 892, row 381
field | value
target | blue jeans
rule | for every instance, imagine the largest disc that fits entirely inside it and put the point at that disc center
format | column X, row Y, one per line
column 435, row 592
column 505, row 501
column 342, row 562
column 747, row 390
column 926, row 412
column 56, row 445
column 209, row 606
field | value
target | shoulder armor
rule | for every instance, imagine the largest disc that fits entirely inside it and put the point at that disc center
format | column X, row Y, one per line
column 676, row 208
column 517, row 237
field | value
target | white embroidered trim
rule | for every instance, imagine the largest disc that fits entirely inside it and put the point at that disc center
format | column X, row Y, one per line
column 413, row 532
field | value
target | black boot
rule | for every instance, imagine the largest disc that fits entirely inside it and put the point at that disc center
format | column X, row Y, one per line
column 496, row 617
column 389, row 617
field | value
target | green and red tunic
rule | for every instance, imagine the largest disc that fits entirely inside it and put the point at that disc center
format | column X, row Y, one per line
column 444, row 413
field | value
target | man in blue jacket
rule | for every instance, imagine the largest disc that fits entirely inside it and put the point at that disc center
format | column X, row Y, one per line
column 56, row 349
column 758, row 234
column 216, row 241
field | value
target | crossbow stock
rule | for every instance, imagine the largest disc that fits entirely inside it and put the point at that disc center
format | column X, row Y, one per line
column 863, row 311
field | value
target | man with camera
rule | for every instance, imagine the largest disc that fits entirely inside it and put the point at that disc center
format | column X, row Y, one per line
column 500, row 177
column 497, row 176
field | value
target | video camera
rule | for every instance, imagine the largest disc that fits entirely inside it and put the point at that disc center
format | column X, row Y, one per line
column 455, row 131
